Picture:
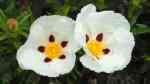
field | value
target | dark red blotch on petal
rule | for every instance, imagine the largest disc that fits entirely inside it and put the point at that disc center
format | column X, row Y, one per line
column 51, row 38
column 64, row 43
column 41, row 48
column 87, row 38
column 62, row 57
column 47, row 60
column 99, row 37
column 106, row 50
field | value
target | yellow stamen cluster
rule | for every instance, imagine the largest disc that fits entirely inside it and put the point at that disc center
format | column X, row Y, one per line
column 95, row 47
column 53, row 50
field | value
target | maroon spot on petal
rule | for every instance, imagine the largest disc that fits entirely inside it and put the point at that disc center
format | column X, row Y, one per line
column 62, row 57
column 51, row 38
column 64, row 43
column 47, row 60
column 87, row 38
column 106, row 50
column 41, row 48
column 99, row 37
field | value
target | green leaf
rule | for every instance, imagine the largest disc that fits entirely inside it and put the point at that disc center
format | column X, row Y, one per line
column 3, row 18
column 134, row 10
column 2, row 13
column 3, row 37
column 147, row 58
column 32, row 79
column 66, row 9
column 101, row 4
column 4, row 67
column 24, row 17
column 140, row 28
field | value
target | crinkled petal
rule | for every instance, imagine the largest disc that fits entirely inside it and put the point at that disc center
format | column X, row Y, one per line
column 104, row 21
column 60, row 26
column 106, row 64
column 30, row 59
column 63, row 66
column 86, row 10
column 90, row 63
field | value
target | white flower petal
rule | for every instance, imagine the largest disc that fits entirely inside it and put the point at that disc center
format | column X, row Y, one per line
column 33, row 60
column 90, row 8
column 30, row 59
column 63, row 66
column 108, row 64
column 98, row 22
column 90, row 63
column 60, row 26
column 121, row 40
column 114, row 62
column 80, row 34
column 104, row 22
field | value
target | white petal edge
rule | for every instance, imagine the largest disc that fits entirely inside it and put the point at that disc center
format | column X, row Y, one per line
column 60, row 26
column 105, row 21
column 29, row 59
column 107, row 65
column 100, row 22
column 90, row 8
column 63, row 66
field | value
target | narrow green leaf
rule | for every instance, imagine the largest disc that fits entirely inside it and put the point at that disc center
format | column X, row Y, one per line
column 66, row 9
column 134, row 10
column 3, row 37
column 2, row 13
column 147, row 58
column 140, row 28
column 25, row 18
column 2, row 18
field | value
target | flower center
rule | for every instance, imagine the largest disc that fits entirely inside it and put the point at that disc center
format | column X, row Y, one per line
column 95, row 48
column 53, row 50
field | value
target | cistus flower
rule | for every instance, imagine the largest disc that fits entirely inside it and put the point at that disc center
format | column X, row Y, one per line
column 49, row 49
column 106, row 39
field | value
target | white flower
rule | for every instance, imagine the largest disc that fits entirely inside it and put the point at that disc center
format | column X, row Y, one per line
column 105, row 37
column 49, row 49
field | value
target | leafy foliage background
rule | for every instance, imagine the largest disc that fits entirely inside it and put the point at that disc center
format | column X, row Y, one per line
column 26, row 11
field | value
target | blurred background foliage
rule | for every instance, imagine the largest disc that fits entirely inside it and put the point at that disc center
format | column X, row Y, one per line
column 16, row 16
